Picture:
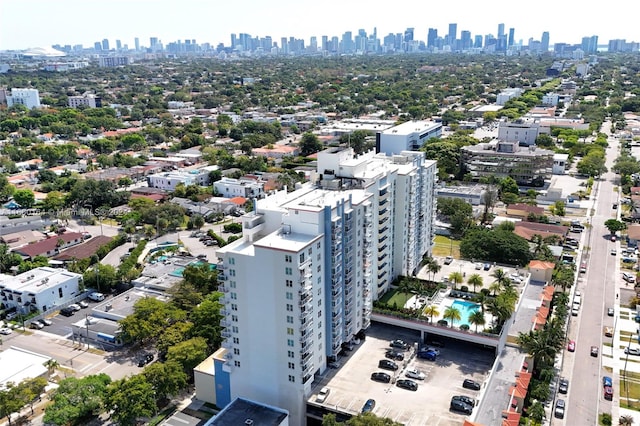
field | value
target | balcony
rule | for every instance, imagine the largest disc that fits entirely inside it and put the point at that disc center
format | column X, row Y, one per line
column 223, row 288
column 228, row 355
column 226, row 334
column 307, row 368
column 220, row 266
column 225, row 323
column 222, row 277
column 304, row 264
column 304, row 299
column 227, row 344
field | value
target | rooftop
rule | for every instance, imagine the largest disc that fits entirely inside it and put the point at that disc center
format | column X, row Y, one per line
column 38, row 279
column 412, row 127
column 17, row 364
column 245, row 412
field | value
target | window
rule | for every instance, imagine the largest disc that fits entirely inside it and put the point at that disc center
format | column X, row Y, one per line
column 232, row 284
column 234, row 318
column 289, row 308
column 318, row 246
column 289, row 319
column 288, row 271
column 292, row 366
column 301, row 257
column 234, row 307
column 319, row 314
column 290, row 331
column 319, row 302
column 319, row 325
column 289, row 283
column 236, row 341
column 236, row 363
column 292, row 379
column 290, row 343
column 59, row 292
column 232, row 272
column 319, row 268
column 234, row 296
column 289, row 295
column 288, row 258
column 291, row 354
column 310, row 251
column 236, row 351
column 232, row 261
column 234, row 329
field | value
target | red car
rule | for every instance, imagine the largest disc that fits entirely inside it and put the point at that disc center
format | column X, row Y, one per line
column 571, row 347
column 608, row 393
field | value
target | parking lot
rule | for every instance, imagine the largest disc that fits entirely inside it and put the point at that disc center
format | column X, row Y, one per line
column 351, row 385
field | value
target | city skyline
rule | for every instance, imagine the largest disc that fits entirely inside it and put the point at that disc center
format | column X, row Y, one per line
column 72, row 22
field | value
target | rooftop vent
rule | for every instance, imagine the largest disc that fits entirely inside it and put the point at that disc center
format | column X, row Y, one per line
column 248, row 422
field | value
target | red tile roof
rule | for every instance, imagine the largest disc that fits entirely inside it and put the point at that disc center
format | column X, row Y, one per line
column 47, row 245
column 239, row 201
column 541, row 264
column 84, row 250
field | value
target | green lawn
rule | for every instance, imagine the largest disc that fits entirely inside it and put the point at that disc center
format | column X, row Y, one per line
column 394, row 296
column 446, row 247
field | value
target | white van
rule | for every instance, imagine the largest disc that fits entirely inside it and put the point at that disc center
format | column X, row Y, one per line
column 577, row 300
column 96, row 297
column 628, row 277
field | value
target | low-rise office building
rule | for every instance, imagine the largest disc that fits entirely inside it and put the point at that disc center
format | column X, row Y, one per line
column 88, row 100
column 525, row 132
column 409, row 136
column 247, row 188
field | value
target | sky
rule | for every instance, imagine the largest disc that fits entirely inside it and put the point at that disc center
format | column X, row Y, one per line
column 41, row 23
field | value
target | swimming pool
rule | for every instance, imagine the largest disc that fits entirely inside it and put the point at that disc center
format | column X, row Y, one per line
column 466, row 309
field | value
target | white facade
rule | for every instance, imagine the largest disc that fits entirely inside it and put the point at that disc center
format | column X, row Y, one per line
column 87, row 99
column 550, row 99
column 27, row 97
column 407, row 136
column 247, row 188
column 560, row 164
column 41, row 288
column 169, row 180
column 507, row 95
column 525, row 132
column 311, row 263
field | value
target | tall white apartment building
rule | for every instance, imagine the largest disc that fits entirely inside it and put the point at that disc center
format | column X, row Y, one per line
column 301, row 281
column 27, row 97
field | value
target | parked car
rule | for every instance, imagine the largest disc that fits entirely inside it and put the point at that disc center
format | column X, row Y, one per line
column 564, row 386
column 414, row 373
column 369, row 406
column 145, row 359
column 96, row 297
column 407, row 384
column 380, row 377
column 399, row 344
column 428, row 355
column 606, row 381
column 431, row 349
column 387, row 365
column 5, row 331
column 608, row 393
column 36, row 325
column 45, row 321
column 448, row 260
column 67, row 312
column 487, row 266
column 559, row 411
column 632, row 351
column 571, row 347
column 610, row 312
column 323, row 394
column 83, row 304
column 396, row 355
column 461, row 407
column 464, row 399
column 470, row 384
column 594, row 351
column 75, row 307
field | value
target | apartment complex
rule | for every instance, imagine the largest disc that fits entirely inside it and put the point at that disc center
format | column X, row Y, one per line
column 27, row 97
column 525, row 132
column 40, row 289
column 86, row 99
column 527, row 165
column 309, row 266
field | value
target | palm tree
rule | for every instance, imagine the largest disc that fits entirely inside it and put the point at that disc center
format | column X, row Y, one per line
column 477, row 318
column 501, row 276
column 475, row 280
column 405, row 287
column 452, row 313
column 51, row 365
column 455, row 278
column 495, row 287
column 481, row 299
column 626, row 420
column 431, row 311
column 539, row 244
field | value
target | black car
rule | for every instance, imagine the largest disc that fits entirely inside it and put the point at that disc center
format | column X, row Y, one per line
column 380, row 377
column 146, row 359
column 369, row 406
column 461, row 407
column 391, row 354
column 471, row 384
column 465, row 399
column 67, row 312
column 407, row 384
column 387, row 364
column 564, row 386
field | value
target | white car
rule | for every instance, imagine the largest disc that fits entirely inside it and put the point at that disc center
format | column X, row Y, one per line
column 414, row 373
column 322, row 395
column 83, row 304
column 96, row 297
column 6, row 331
column 75, row 307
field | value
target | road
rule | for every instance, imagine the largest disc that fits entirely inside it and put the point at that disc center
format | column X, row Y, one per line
column 585, row 398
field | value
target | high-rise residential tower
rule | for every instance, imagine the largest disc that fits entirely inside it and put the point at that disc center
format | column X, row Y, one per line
column 301, row 281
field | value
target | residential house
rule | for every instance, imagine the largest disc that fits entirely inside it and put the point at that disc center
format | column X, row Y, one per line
column 528, row 229
column 633, row 235
column 84, row 250
column 523, row 211
column 50, row 246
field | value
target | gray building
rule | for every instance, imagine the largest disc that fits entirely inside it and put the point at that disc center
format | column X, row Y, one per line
column 527, row 165
column 525, row 132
